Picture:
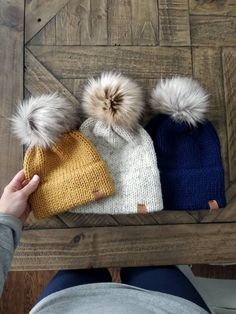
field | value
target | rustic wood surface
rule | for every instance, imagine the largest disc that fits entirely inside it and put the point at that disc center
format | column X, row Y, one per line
column 67, row 41
column 11, row 85
column 126, row 246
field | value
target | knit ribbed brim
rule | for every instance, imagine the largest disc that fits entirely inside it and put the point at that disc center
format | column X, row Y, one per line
column 192, row 189
column 79, row 187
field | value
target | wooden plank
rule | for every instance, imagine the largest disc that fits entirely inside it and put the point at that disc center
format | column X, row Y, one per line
column 167, row 217
column 215, row 271
column 174, row 23
column 82, row 23
column 48, row 223
column 38, row 13
column 135, row 219
column 39, row 80
column 11, row 84
column 206, row 7
column 47, row 35
column 231, row 192
column 207, row 68
column 11, row 157
column 87, row 220
column 144, row 17
column 132, row 22
column 213, row 30
column 145, row 62
column 126, row 246
column 229, row 66
column 173, row 4
column 119, row 22
column 75, row 86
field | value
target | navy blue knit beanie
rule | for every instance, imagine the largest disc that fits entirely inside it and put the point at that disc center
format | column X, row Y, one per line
column 187, row 146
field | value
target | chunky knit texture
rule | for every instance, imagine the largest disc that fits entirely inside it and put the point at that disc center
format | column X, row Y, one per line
column 132, row 164
column 190, row 163
column 72, row 174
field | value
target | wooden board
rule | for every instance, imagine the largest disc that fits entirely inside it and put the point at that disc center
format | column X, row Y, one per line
column 82, row 62
column 47, row 35
column 229, row 64
column 126, row 246
column 82, row 23
column 216, row 7
column 11, row 84
column 174, row 23
column 213, row 30
column 38, row 13
column 173, row 4
column 39, row 81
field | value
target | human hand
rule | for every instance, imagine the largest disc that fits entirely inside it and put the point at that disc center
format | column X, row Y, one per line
column 14, row 200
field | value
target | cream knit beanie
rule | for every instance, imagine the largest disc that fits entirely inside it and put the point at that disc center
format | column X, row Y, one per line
column 114, row 104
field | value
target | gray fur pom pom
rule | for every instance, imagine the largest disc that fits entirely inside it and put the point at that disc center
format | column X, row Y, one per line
column 114, row 99
column 39, row 121
column 182, row 98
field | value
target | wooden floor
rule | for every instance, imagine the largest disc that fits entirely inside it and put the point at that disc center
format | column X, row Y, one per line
column 55, row 46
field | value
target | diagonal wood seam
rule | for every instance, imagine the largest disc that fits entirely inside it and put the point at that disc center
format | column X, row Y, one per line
column 39, row 80
column 228, row 214
column 32, row 24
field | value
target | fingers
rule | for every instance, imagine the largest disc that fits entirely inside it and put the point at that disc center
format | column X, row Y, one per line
column 16, row 182
column 31, row 186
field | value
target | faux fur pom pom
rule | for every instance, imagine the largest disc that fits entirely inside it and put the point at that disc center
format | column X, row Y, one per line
column 39, row 121
column 182, row 98
column 114, row 99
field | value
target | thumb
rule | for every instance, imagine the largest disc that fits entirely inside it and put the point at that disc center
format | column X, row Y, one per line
column 32, row 185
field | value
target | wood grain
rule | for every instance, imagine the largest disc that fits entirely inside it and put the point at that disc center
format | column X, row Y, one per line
column 132, row 22
column 167, row 217
column 11, row 84
column 229, row 65
column 145, row 62
column 213, row 30
column 206, row 7
column 174, row 27
column 144, row 18
column 173, row 4
column 135, row 219
column 228, row 214
column 47, row 35
column 119, row 22
column 39, row 80
column 87, row 220
column 48, row 223
column 215, row 271
column 126, row 246
column 38, row 13
column 207, row 68
column 82, row 23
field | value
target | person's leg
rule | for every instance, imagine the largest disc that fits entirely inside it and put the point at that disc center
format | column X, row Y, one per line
column 166, row 279
column 70, row 278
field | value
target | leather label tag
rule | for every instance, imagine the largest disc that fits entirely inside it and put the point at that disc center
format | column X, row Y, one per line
column 97, row 195
column 213, row 205
column 141, row 209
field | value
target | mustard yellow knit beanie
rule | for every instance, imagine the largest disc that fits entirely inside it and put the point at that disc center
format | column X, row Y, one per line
column 72, row 172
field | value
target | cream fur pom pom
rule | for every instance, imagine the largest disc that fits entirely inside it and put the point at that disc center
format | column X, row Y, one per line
column 39, row 121
column 182, row 98
column 114, row 99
